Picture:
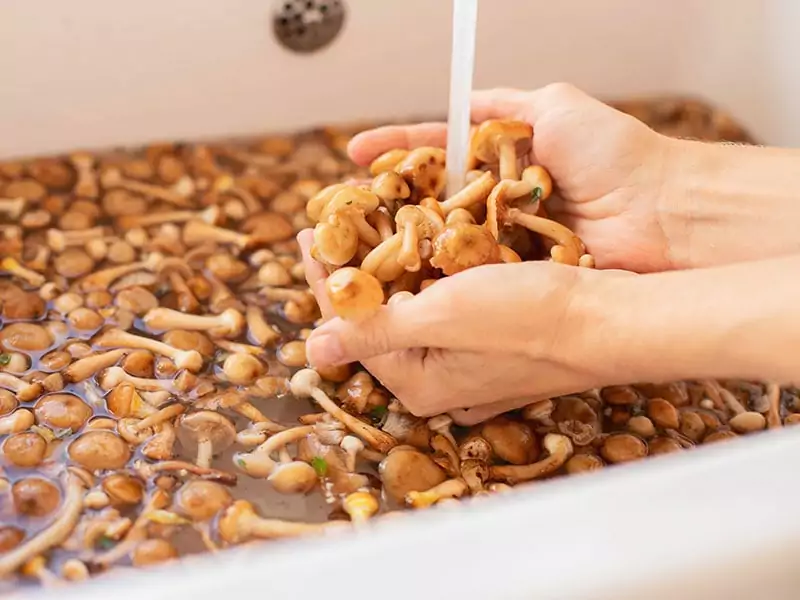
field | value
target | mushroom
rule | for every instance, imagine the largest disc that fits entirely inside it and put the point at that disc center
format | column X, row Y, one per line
column 242, row 369
column 474, row 455
column 423, row 170
column 114, row 376
column 382, row 261
column 25, row 449
column 287, row 476
column 200, row 500
column 35, row 497
column 84, row 368
column 568, row 249
column 360, row 507
column 178, row 194
column 353, row 204
column 12, row 266
column 99, row 450
column 405, row 469
column 62, row 411
column 623, row 447
column 19, row 420
column 229, row 323
column 102, row 280
column 153, row 552
column 12, row 207
column 462, row 246
column 583, row 463
column 58, row 240
column 24, row 391
column 501, row 141
column 305, row 384
column 391, row 188
column 147, row 470
column 240, row 523
column 199, row 232
column 335, row 240
column 511, row 441
column 52, row 535
column 259, row 330
column 452, row 488
column 211, row 433
column 387, row 161
column 190, row 360
column 123, row 489
column 354, row 294
column 415, row 224
column 559, row 449
column 211, row 215
column 86, row 183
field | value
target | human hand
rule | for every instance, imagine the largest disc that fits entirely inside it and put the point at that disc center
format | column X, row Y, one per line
column 609, row 168
column 494, row 337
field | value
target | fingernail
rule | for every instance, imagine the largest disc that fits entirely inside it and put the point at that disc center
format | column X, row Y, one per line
column 324, row 350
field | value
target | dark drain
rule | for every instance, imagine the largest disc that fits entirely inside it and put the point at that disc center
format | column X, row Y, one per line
column 308, row 25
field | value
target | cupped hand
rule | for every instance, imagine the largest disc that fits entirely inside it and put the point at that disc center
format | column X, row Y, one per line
column 488, row 339
column 609, row 168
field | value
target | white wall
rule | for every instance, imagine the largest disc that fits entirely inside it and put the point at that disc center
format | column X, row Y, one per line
column 93, row 73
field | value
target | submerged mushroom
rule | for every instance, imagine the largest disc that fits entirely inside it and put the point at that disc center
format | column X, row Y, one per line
column 405, row 469
column 210, row 432
column 240, row 523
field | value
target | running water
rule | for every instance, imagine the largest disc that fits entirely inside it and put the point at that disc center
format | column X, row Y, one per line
column 462, row 64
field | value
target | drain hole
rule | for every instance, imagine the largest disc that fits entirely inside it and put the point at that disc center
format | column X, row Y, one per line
column 307, row 25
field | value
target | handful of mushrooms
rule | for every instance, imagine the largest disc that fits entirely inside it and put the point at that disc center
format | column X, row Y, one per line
column 153, row 313
column 394, row 234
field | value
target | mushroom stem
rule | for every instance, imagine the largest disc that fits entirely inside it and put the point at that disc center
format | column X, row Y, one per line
column 56, row 533
column 560, row 450
column 102, row 280
column 190, row 360
column 147, row 470
column 471, row 194
column 360, row 507
column 305, row 383
column 567, row 250
column 205, row 453
column 12, row 207
column 259, row 463
column 452, row 488
column 25, row 391
column 507, row 158
column 85, row 368
column 164, row 414
column 382, row 260
column 60, row 240
column 199, row 232
column 179, row 194
column 160, row 446
column 209, row 215
column 726, row 398
column 258, row 328
column 240, row 523
column 773, row 413
column 229, row 323
column 11, row 265
column 114, row 376
column 86, row 184
column 409, row 249
column 186, row 300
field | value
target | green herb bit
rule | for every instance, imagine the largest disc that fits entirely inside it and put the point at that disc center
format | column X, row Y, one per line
column 536, row 194
column 320, row 465
column 105, row 543
column 5, row 358
column 378, row 413
column 240, row 462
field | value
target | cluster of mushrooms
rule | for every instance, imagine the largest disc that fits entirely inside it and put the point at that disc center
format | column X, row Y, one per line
column 153, row 313
column 391, row 236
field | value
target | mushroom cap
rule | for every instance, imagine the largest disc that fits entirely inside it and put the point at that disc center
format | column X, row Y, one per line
column 99, row 450
column 511, row 441
column 354, row 294
column 303, row 382
column 233, row 524
column 489, row 134
column 407, row 470
column 464, row 245
column 205, row 425
column 424, row 171
column 199, row 500
column 295, row 477
column 153, row 551
column 122, row 489
column 62, row 411
column 241, row 368
column 317, row 203
column 335, row 240
column 35, row 497
column 387, row 161
column 390, row 186
column 351, row 198
column 25, row 336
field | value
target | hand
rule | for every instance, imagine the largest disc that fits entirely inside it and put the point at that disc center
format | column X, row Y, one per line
column 608, row 168
column 495, row 337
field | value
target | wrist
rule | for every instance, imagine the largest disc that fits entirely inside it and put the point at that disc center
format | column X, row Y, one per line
column 726, row 203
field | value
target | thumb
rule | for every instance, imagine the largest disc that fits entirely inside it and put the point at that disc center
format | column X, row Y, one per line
column 394, row 327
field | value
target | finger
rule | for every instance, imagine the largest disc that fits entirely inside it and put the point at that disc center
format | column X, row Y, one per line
column 401, row 326
column 315, row 274
column 367, row 145
column 499, row 103
column 478, row 414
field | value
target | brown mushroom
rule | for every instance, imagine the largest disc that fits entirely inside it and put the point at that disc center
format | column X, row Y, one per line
column 559, row 449
column 183, row 359
column 382, row 261
column 354, row 294
column 240, row 523
column 511, row 441
column 26, row 449
column 335, row 240
column 501, row 141
column 462, row 246
column 99, row 450
column 242, row 369
column 35, row 497
column 200, row 500
column 210, row 432
column 229, row 323
column 62, row 411
column 153, row 552
column 406, row 469
column 452, row 488
column 423, row 170
column 353, row 204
